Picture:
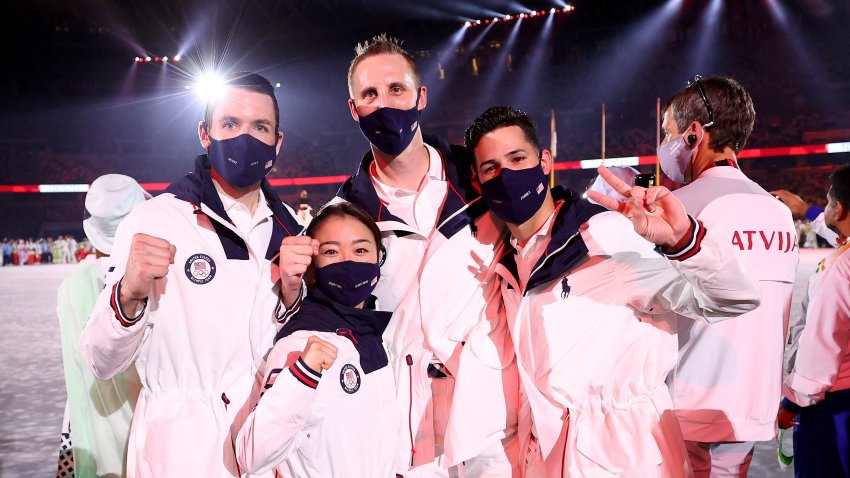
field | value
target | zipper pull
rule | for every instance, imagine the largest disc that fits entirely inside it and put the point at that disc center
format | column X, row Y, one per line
column 225, row 400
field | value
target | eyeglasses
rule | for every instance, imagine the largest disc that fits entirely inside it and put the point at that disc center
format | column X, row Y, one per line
column 696, row 80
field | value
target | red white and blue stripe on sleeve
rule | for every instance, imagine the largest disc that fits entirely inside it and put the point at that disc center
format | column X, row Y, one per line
column 115, row 303
column 283, row 313
column 304, row 374
column 692, row 247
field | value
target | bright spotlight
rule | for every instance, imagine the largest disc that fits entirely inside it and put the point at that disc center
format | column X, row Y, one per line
column 147, row 58
column 495, row 19
column 534, row 13
column 552, row 10
column 137, row 59
column 478, row 22
column 277, row 85
column 521, row 15
column 209, row 86
column 165, row 58
column 466, row 24
column 178, row 58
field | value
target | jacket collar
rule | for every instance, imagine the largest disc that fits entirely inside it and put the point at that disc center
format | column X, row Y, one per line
column 197, row 188
column 463, row 204
column 566, row 248
column 363, row 327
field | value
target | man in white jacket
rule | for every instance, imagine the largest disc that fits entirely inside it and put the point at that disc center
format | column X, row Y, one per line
column 729, row 373
column 193, row 295
column 445, row 353
column 818, row 387
column 586, row 300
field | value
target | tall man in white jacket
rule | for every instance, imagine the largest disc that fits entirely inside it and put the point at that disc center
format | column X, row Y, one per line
column 729, row 374
column 193, row 295
column 440, row 238
column 586, row 300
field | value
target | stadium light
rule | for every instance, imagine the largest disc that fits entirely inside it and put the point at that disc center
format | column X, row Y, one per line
column 209, row 86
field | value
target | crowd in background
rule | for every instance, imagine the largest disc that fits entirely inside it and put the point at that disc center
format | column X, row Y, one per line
column 62, row 250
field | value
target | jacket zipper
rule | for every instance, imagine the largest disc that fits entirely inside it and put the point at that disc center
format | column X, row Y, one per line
column 409, row 360
column 230, row 433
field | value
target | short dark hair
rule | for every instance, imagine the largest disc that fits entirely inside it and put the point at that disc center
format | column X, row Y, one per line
column 731, row 106
column 345, row 209
column 382, row 45
column 839, row 185
column 500, row 117
column 245, row 80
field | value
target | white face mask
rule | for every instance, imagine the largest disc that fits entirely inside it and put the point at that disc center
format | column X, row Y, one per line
column 673, row 157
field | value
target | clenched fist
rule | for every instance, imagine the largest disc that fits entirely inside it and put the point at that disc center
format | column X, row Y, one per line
column 296, row 253
column 318, row 354
column 149, row 260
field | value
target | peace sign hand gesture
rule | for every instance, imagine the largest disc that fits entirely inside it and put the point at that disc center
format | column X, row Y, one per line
column 655, row 213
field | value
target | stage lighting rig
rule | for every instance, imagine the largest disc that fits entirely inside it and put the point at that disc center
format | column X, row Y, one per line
column 519, row 16
column 156, row 59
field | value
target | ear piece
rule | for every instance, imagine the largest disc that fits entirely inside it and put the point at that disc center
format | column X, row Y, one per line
column 692, row 139
column 382, row 255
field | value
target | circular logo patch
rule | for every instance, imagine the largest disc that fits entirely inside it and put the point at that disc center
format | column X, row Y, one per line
column 349, row 378
column 200, row 268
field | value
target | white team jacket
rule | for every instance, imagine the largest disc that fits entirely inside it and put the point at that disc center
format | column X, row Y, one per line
column 729, row 374
column 338, row 423
column 438, row 288
column 207, row 327
column 822, row 361
column 593, row 352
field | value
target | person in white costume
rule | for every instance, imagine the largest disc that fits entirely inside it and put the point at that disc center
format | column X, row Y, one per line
column 586, row 300
column 444, row 351
column 327, row 404
column 98, row 412
column 193, row 295
column 729, row 374
column 818, row 387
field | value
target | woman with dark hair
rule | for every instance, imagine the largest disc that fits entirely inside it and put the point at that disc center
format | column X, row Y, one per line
column 327, row 399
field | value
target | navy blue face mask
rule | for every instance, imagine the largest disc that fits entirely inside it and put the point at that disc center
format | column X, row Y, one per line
column 348, row 282
column 241, row 161
column 515, row 195
column 391, row 130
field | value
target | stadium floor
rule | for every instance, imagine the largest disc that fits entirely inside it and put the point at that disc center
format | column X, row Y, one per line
column 32, row 388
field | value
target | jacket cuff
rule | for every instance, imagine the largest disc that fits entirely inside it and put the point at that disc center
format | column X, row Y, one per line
column 115, row 303
column 305, row 374
column 691, row 247
column 790, row 406
column 813, row 212
column 283, row 313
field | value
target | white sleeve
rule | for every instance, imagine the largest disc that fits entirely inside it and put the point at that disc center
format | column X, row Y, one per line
column 704, row 280
column 819, row 226
column 825, row 339
column 272, row 431
column 111, row 338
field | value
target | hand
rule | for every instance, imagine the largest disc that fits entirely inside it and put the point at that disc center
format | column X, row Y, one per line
column 786, row 419
column 318, row 354
column 296, row 253
column 795, row 203
column 656, row 214
column 149, row 260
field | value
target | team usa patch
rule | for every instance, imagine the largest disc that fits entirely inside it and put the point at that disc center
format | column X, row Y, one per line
column 200, row 268
column 349, row 378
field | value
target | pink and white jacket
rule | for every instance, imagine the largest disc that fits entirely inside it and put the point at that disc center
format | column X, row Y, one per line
column 594, row 340
column 729, row 375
